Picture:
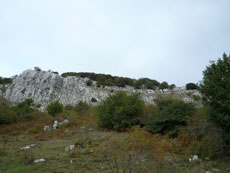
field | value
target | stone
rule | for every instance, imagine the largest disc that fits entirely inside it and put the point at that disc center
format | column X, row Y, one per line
column 55, row 126
column 47, row 128
column 195, row 157
column 69, row 148
column 27, row 147
column 39, row 160
column 66, row 121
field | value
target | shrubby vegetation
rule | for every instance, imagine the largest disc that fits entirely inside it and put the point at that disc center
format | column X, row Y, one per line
column 55, row 108
column 119, row 111
column 82, row 108
column 7, row 116
column 24, row 108
column 109, row 80
column 146, row 83
column 169, row 115
column 5, row 80
column 191, row 86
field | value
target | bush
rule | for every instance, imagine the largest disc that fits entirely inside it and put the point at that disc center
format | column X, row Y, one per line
column 215, row 93
column 33, row 116
column 24, row 108
column 205, row 138
column 7, row 116
column 191, row 86
column 93, row 100
column 89, row 83
column 119, row 111
column 82, row 108
column 54, row 108
column 171, row 114
column 5, row 80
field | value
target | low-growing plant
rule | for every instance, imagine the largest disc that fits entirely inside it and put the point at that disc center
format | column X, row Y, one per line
column 7, row 116
column 33, row 116
column 69, row 107
column 119, row 111
column 54, row 108
column 82, row 108
column 139, row 151
column 205, row 138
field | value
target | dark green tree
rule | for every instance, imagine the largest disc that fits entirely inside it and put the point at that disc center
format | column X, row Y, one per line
column 215, row 90
column 164, row 85
column 191, row 86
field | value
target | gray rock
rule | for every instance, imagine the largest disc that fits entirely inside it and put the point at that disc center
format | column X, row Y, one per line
column 27, row 147
column 69, row 148
column 47, row 128
column 39, row 160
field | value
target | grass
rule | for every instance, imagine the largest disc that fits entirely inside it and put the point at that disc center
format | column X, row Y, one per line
column 96, row 150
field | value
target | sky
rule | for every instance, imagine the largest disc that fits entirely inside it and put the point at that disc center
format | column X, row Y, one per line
column 164, row 40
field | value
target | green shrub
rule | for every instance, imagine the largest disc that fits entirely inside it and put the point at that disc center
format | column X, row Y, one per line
column 82, row 108
column 24, row 108
column 146, row 83
column 5, row 80
column 23, row 91
column 54, row 108
column 172, row 113
column 89, row 83
column 120, row 111
column 191, row 86
column 93, row 100
column 7, row 116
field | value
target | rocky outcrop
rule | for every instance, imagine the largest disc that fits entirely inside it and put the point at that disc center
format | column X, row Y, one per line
column 45, row 87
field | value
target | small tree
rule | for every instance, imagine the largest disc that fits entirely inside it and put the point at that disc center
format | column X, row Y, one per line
column 215, row 89
column 172, row 86
column 164, row 85
column 54, row 108
column 191, row 86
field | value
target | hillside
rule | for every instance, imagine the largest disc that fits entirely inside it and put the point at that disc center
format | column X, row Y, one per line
column 45, row 87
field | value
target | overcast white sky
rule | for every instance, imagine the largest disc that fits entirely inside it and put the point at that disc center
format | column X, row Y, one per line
column 166, row 40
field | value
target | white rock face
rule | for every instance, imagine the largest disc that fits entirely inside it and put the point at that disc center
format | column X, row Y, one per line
column 45, row 87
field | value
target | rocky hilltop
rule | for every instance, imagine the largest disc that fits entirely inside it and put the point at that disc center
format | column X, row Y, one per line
column 45, row 87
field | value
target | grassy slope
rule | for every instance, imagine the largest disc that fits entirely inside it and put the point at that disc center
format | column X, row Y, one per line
column 89, row 155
